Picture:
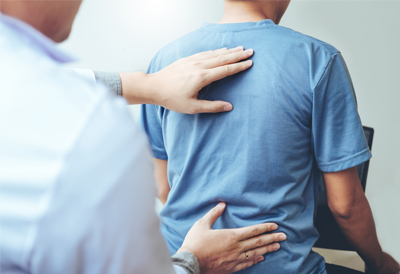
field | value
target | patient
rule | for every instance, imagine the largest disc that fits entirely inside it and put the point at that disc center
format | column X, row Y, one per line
column 294, row 118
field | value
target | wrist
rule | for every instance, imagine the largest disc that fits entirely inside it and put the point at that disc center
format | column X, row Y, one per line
column 186, row 260
column 377, row 263
column 137, row 88
column 152, row 87
column 184, row 249
column 200, row 261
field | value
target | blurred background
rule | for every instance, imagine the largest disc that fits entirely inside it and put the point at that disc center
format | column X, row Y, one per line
column 123, row 36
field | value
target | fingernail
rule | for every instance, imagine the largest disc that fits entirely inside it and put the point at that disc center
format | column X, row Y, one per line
column 274, row 227
column 240, row 47
column 260, row 259
column 282, row 237
column 276, row 246
column 221, row 204
column 249, row 62
column 250, row 51
column 227, row 107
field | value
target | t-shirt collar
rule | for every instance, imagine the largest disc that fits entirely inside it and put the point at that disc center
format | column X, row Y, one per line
column 238, row 26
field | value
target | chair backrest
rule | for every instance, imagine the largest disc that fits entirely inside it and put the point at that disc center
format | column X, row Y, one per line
column 331, row 236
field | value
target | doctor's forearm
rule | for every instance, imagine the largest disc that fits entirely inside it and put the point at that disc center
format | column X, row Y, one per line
column 135, row 87
column 176, row 86
column 138, row 88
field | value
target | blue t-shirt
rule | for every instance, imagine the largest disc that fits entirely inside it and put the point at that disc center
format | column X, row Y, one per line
column 295, row 115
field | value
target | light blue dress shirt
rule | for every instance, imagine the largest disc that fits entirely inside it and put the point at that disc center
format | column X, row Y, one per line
column 76, row 180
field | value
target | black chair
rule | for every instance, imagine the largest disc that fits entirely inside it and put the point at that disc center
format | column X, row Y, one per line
column 331, row 236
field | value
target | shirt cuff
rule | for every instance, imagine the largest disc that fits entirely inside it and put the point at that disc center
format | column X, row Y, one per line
column 187, row 261
column 346, row 163
column 111, row 80
column 86, row 73
column 179, row 270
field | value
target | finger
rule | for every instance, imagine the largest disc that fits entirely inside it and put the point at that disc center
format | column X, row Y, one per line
column 218, row 73
column 229, row 51
column 213, row 214
column 259, row 251
column 225, row 59
column 203, row 106
column 209, row 54
column 255, row 230
column 262, row 240
column 215, row 53
column 247, row 264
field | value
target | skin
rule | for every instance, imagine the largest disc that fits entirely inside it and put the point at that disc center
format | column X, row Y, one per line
column 253, row 11
column 351, row 209
column 239, row 240
column 161, row 176
column 346, row 198
column 52, row 18
column 176, row 88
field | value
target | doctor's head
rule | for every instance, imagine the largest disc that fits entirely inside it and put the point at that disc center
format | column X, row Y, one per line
column 53, row 18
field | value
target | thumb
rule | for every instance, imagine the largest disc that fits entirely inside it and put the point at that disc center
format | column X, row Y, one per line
column 214, row 214
column 204, row 106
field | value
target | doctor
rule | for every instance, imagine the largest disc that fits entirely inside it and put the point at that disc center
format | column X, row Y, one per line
column 75, row 172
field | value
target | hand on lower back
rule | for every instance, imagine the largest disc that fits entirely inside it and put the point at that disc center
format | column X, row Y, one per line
column 224, row 251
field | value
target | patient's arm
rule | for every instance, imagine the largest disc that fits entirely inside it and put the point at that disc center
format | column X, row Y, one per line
column 160, row 173
column 348, row 203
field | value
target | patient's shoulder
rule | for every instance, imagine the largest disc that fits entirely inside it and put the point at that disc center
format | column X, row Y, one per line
column 293, row 36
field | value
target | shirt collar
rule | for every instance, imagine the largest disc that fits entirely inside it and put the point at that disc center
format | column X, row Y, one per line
column 46, row 45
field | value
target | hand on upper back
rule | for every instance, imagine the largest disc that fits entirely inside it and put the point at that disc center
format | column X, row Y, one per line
column 178, row 84
column 223, row 250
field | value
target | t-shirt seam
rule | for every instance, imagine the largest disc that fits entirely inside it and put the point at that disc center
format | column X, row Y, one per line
column 320, row 43
column 346, row 159
column 235, row 30
column 325, row 70
column 161, row 153
column 305, row 36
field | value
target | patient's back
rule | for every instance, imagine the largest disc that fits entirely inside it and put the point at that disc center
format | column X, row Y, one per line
column 293, row 113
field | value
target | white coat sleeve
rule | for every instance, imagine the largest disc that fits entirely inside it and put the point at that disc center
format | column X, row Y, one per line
column 88, row 74
column 100, row 216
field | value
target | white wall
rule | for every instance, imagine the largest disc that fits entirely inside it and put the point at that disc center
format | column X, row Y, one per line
column 123, row 35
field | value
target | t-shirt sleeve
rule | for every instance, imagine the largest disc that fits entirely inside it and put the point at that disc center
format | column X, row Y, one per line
column 150, row 120
column 338, row 138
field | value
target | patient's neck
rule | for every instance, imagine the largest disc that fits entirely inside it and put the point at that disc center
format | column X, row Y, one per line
column 249, row 11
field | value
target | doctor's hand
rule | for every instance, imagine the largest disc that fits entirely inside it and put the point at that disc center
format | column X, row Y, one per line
column 224, row 250
column 176, row 87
